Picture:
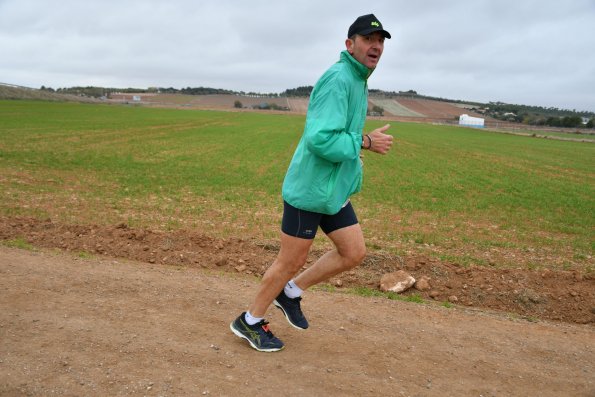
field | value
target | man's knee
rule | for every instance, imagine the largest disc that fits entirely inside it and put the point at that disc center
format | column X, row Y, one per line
column 354, row 256
column 293, row 265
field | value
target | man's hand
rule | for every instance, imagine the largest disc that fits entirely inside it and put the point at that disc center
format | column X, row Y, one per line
column 381, row 142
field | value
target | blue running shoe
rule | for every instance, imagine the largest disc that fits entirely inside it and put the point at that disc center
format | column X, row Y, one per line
column 258, row 335
column 292, row 310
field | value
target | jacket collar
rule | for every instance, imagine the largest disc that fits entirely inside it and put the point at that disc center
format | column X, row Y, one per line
column 359, row 69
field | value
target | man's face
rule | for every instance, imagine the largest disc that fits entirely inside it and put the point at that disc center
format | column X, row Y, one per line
column 366, row 49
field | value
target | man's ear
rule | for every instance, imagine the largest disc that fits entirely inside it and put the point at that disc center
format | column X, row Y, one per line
column 349, row 45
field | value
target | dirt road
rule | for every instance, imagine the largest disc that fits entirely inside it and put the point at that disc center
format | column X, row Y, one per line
column 99, row 327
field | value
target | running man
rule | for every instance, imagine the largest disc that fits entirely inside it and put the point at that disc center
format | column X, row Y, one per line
column 324, row 172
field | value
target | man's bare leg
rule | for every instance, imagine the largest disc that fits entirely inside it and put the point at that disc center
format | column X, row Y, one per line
column 350, row 251
column 292, row 257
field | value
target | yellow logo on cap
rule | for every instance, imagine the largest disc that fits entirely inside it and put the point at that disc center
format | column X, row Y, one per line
column 375, row 24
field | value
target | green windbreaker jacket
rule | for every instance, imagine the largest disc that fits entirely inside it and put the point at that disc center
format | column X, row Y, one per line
column 325, row 169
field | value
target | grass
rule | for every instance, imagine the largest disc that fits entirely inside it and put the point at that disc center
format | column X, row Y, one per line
column 369, row 292
column 18, row 242
column 85, row 255
column 464, row 195
column 579, row 135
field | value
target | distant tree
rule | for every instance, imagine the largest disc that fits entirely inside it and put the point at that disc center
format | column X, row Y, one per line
column 274, row 106
column 377, row 110
column 204, row 91
column 237, row 104
column 590, row 123
column 554, row 121
column 299, row 91
column 571, row 121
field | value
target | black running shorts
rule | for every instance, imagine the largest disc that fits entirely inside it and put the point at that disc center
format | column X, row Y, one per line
column 304, row 224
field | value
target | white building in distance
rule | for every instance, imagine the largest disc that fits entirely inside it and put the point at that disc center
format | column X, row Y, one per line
column 467, row 121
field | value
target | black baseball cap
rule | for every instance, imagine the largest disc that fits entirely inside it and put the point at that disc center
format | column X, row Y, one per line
column 365, row 25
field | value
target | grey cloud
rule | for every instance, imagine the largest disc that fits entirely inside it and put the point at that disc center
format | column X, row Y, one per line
column 528, row 51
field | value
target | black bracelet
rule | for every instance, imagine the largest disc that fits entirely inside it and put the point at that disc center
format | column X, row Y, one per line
column 370, row 139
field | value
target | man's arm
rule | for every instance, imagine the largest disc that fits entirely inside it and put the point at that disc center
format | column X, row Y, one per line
column 325, row 128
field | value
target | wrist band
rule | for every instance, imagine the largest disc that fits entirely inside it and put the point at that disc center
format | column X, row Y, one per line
column 370, row 138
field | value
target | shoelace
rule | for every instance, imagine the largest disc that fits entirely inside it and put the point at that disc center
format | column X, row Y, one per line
column 295, row 301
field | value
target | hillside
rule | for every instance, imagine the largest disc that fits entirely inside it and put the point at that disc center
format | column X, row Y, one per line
column 8, row 91
column 408, row 106
column 403, row 109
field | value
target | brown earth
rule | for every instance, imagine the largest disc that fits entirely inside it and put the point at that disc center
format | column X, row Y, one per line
column 431, row 111
column 100, row 326
column 208, row 102
column 567, row 296
column 435, row 109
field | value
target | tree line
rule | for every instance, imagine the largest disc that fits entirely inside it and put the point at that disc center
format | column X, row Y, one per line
column 98, row 92
column 526, row 114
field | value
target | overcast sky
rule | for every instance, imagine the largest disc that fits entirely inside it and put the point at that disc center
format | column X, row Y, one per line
column 532, row 52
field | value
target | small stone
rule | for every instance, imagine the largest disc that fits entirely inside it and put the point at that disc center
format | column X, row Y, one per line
column 434, row 294
column 423, row 284
column 398, row 281
column 453, row 299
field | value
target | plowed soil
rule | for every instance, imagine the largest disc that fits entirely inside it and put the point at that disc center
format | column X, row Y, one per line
column 434, row 109
column 567, row 296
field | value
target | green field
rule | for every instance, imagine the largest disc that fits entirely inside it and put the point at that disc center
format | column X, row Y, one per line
column 573, row 135
column 459, row 194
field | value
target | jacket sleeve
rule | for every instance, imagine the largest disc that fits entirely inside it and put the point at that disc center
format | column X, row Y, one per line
column 325, row 132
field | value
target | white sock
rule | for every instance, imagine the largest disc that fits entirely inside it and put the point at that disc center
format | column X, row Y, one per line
column 251, row 320
column 291, row 290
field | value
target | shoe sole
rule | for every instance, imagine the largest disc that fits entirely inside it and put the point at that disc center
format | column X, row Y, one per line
column 277, row 304
column 238, row 333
